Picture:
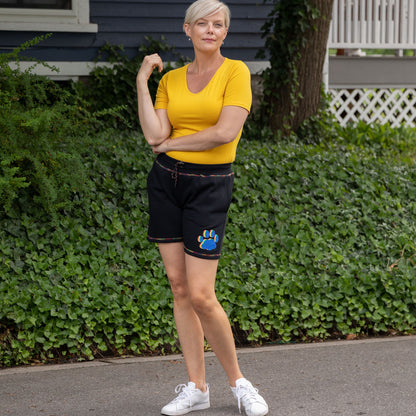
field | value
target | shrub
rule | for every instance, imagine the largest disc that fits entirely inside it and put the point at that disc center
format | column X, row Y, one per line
column 322, row 238
column 44, row 129
column 89, row 284
column 320, row 243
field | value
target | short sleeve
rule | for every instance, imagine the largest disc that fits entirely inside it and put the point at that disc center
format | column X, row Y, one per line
column 162, row 98
column 238, row 89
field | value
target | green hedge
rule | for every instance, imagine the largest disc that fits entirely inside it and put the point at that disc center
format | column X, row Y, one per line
column 322, row 237
column 321, row 242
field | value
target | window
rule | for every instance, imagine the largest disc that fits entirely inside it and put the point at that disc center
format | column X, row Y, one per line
column 46, row 15
column 37, row 4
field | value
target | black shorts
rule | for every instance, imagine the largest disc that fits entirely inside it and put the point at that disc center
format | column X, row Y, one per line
column 189, row 202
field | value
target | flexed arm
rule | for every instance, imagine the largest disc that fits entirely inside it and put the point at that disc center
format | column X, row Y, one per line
column 155, row 123
column 226, row 129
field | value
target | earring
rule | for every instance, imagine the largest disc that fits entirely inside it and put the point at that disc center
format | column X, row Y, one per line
column 189, row 39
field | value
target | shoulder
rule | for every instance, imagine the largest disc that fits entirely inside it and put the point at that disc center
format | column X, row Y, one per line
column 234, row 70
column 176, row 73
column 234, row 65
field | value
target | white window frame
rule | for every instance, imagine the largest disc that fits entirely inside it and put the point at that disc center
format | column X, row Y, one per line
column 49, row 20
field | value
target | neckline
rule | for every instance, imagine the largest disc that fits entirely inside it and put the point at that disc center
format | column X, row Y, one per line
column 209, row 82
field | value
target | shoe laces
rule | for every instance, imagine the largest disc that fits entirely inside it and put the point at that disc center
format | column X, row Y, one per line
column 246, row 394
column 184, row 393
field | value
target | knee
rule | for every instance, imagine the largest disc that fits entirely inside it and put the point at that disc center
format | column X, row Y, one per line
column 178, row 287
column 202, row 303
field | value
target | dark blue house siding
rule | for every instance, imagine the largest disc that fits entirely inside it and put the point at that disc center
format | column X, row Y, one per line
column 127, row 22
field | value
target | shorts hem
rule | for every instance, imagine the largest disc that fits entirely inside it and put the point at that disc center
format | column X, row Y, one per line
column 164, row 239
column 207, row 256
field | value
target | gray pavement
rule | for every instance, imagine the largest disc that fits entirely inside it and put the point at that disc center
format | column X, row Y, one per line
column 375, row 377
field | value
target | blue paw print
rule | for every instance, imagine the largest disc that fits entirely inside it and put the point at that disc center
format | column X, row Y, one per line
column 208, row 240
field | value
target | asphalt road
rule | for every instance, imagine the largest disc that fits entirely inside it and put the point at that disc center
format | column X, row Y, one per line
column 374, row 377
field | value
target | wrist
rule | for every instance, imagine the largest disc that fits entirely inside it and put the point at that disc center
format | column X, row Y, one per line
column 168, row 145
column 141, row 84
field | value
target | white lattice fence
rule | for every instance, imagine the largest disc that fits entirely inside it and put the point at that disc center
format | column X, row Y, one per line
column 384, row 105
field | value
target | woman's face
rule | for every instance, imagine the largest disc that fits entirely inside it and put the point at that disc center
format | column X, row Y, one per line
column 207, row 33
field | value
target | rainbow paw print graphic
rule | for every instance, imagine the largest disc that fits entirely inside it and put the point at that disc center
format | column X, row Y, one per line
column 208, row 240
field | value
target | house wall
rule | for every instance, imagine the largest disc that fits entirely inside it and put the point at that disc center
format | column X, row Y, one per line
column 127, row 22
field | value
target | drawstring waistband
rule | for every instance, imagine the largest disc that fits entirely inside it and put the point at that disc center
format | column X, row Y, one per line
column 175, row 173
column 178, row 168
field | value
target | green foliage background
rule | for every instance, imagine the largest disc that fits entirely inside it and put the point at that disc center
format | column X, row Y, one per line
column 44, row 128
column 320, row 243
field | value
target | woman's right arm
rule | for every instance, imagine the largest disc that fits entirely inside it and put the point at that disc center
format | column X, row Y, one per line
column 155, row 123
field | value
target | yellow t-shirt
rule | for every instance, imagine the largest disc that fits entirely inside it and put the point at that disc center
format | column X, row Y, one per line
column 189, row 112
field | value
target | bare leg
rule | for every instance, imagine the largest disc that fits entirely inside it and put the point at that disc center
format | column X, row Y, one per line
column 188, row 326
column 198, row 312
column 201, row 275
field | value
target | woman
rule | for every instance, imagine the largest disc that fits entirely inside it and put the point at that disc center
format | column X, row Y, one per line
column 194, row 128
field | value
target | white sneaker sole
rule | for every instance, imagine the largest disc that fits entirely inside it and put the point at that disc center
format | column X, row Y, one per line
column 201, row 406
column 263, row 414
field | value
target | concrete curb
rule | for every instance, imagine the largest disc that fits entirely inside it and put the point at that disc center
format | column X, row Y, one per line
column 174, row 357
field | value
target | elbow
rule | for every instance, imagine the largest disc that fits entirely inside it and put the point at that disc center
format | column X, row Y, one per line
column 226, row 135
column 153, row 141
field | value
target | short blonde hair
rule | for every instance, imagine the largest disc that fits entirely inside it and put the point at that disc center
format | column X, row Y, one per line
column 204, row 8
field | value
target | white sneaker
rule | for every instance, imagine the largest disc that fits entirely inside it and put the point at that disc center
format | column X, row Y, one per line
column 189, row 399
column 249, row 397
